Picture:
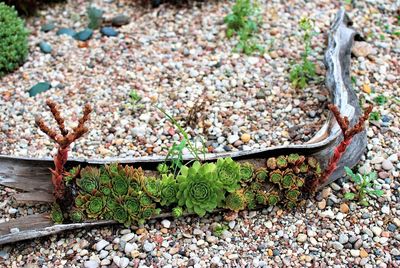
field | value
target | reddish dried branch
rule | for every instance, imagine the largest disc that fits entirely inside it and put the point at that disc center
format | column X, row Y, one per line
column 348, row 134
column 63, row 140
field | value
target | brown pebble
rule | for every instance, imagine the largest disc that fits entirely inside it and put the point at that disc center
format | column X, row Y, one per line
column 344, row 208
column 245, row 138
column 322, row 204
column 363, row 253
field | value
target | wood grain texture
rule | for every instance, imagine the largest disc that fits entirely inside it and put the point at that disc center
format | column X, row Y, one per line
column 33, row 177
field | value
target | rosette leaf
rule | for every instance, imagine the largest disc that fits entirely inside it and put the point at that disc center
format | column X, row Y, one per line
column 134, row 175
column 304, row 168
column 88, row 182
column 148, row 212
column 299, row 182
column 56, row 214
column 235, row 201
column 293, row 195
column 290, row 204
column 111, row 203
column 276, row 177
column 177, row 212
column 246, row 172
column 105, row 190
column 273, row 199
column 152, row 186
column 145, row 200
column 261, row 174
column 80, row 200
column 107, row 215
column 104, row 178
column 120, row 186
column 199, row 190
column 72, row 174
column 76, row 215
column 262, row 198
column 120, row 214
column 132, row 205
column 95, row 206
column 289, row 179
column 228, row 173
column 271, row 163
column 249, row 196
column 293, row 159
column 281, row 162
column 163, row 168
column 312, row 162
column 169, row 189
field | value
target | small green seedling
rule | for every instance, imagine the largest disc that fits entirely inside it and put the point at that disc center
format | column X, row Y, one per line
column 375, row 116
column 364, row 185
column 302, row 73
column 95, row 16
column 244, row 21
column 220, row 229
column 134, row 99
column 380, row 100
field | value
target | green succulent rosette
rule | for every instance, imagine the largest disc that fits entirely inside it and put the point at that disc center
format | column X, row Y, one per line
column 235, row 201
column 145, row 200
column 281, row 162
column 312, row 162
column 273, row 199
column 152, row 186
column 246, row 172
column 71, row 174
column 261, row 175
column 56, row 214
column 120, row 214
column 293, row 159
column 104, row 178
column 199, row 189
column 299, row 182
column 256, row 186
column 132, row 205
column 290, row 204
column 228, row 172
column 120, row 186
column 149, row 212
column 88, row 182
column 288, row 180
column 80, row 200
column 177, row 212
column 107, row 215
column 304, row 168
column 262, row 198
column 163, row 168
column 276, row 177
column 94, row 206
column 169, row 189
column 293, row 195
column 76, row 215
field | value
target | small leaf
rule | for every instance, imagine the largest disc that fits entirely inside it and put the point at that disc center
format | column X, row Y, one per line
column 364, row 203
column 376, row 192
column 349, row 196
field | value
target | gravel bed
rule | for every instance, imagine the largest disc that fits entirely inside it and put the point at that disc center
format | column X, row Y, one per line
column 176, row 59
column 327, row 231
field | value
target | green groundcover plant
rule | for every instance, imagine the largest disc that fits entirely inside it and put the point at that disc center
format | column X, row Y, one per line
column 13, row 40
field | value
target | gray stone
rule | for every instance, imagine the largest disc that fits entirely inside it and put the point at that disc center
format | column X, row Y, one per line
column 343, row 238
column 120, row 20
column 387, row 165
column 66, row 31
column 84, row 35
column 337, row 246
column 109, row 31
column 148, row 247
column 45, row 47
column 91, row 264
column 39, row 88
column 101, row 244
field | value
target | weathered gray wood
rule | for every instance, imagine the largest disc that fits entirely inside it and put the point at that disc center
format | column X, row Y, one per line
column 32, row 175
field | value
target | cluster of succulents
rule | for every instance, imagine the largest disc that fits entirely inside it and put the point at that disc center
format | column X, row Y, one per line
column 288, row 173
column 126, row 195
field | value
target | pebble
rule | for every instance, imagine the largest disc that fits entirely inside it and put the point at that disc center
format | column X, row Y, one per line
column 387, row 165
column 362, row 49
column 344, row 208
column 120, row 20
column 233, row 138
column 302, row 238
column 101, row 245
column 245, row 138
column 148, row 247
column 66, row 31
column 84, row 35
column 355, row 252
column 91, row 264
column 343, row 238
column 166, row 223
column 45, row 47
column 376, row 230
column 108, row 31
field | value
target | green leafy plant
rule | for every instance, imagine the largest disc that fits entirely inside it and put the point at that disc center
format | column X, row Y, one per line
column 177, row 212
column 220, row 229
column 375, row 116
column 134, row 101
column 56, row 214
column 364, row 186
column 13, row 40
column 302, row 73
column 169, row 189
column 199, row 189
column 380, row 99
column 244, row 21
column 95, row 16
column 228, row 173
column 235, row 201
column 246, row 171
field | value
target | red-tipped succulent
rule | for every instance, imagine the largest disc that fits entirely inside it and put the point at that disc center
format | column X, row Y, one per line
column 64, row 140
column 348, row 134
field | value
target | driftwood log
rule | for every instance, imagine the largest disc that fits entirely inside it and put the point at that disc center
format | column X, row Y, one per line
column 32, row 176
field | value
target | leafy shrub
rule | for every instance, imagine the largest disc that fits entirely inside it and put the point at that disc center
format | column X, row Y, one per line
column 13, row 40
column 244, row 21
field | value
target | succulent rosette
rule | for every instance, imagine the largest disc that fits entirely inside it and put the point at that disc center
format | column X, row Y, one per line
column 163, row 168
column 271, row 163
column 152, row 186
column 94, row 206
column 235, row 201
column 281, row 162
column 120, row 186
column 273, row 199
column 177, row 212
column 120, row 215
column 261, row 175
column 276, row 177
column 199, row 189
column 88, row 182
column 228, row 172
column 262, row 197
column 76, row 215
column 169, row 189
column 288, row 180
column 293, row 195
column 80, row 200
column 132, row 204
column 246, row 172
column 56, row 214
column 145, row 200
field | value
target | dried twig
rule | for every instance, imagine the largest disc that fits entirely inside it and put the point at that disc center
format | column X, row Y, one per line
column 63, row 140
column 348, row 134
